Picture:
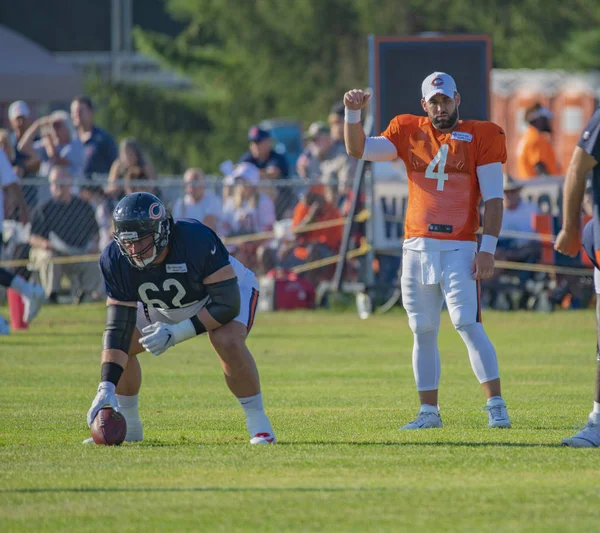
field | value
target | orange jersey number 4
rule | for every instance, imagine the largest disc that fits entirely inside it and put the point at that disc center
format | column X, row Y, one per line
column 439, row 161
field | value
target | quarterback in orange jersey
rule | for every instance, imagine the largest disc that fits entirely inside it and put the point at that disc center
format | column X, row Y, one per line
column 452, row 164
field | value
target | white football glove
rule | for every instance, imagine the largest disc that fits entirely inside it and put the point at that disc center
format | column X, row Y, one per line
column 105, row 397
column 159, row 337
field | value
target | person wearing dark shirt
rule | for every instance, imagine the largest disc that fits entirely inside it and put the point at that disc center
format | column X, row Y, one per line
column 61, row 226
column 100, row 149
column 168, row 282
column 272, row 166
column 586, row 159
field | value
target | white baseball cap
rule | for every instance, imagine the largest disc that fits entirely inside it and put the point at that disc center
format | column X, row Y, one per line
column 247, row 171
column 438, row 83
column 18, row 109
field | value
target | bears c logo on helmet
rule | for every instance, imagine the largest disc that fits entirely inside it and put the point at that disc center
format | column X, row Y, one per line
column 155, row 211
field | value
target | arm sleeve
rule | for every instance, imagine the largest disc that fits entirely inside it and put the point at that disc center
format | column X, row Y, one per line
column 116, row 281
column 379, row 149
column 491, row 181
column 491, row 144
column 7, row 175
column 590, row 137
column 394, row 133
column 215, row 255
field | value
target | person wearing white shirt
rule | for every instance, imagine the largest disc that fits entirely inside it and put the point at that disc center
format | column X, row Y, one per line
column 248, row 210
column 33, row 295
column 198, row 203
column 518, row 217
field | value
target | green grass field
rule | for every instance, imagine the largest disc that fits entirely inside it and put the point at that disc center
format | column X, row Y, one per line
column 337, row 389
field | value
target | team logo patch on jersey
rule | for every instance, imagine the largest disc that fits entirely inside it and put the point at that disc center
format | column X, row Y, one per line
column 155, row 211
column 586, row 135
column 461, row 136
column 176, row 268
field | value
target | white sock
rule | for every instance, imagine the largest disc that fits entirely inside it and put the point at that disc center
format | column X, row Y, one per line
column 128, row 405
column 426, row 408
column 595, row 414
column 494, row 400
column 21, row 286
column 256, row 419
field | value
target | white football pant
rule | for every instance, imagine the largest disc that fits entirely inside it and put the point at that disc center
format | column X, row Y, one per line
column 429, row 278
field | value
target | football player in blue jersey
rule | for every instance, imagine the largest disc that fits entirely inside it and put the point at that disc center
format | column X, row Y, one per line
column 586, row 158
column 166, row 283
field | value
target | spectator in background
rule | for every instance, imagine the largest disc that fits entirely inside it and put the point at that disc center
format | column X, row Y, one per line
column 61, row 226
column 198, row 203
column 535, row 154
column 58, row 145
column 314, row 207
column 103, row 206
column 272, row 166
column 247, row 210
column 336, row 123
column 136, row 180
column 20, row 120
column 100, row 149
column 326, row 160
column 131, row 162
column 26, row 162
column 517, row 217
column 15, row 207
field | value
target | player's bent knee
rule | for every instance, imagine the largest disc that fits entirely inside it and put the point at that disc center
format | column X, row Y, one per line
column 421, row 323
column 229, row 338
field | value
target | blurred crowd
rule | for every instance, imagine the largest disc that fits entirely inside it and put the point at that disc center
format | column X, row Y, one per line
column 72, row 174
column 277, row 211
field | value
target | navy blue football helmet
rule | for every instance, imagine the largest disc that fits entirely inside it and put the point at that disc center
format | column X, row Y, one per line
column 137, row 216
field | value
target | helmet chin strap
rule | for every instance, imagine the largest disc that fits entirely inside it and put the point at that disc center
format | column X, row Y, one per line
column 145, row 262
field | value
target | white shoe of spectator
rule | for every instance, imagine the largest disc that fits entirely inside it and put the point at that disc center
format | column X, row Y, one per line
column 33, row 305
column 425, row 420
column 4, row 327
column 498, row 415
column 588, row 437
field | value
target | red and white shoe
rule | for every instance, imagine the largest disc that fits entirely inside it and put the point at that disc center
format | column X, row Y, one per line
column 263, row 438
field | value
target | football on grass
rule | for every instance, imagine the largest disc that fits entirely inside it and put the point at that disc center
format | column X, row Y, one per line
column 109, row 427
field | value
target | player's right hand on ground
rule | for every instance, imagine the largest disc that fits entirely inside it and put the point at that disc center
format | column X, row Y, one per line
column 568, row 242
column 356, row 99
column 104, row 397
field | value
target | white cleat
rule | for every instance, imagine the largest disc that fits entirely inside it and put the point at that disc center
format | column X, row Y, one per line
column 425, row 420
column 588, row 437
column 263, row 438
column 33, row 305
column 498, row 415
column 4, row 327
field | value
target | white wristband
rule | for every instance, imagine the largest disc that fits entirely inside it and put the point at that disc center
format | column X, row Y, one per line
column 488, row 244
column 351, row 116
column 182, row 331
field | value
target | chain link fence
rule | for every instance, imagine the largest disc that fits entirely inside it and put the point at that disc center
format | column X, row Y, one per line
column 287, row 231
